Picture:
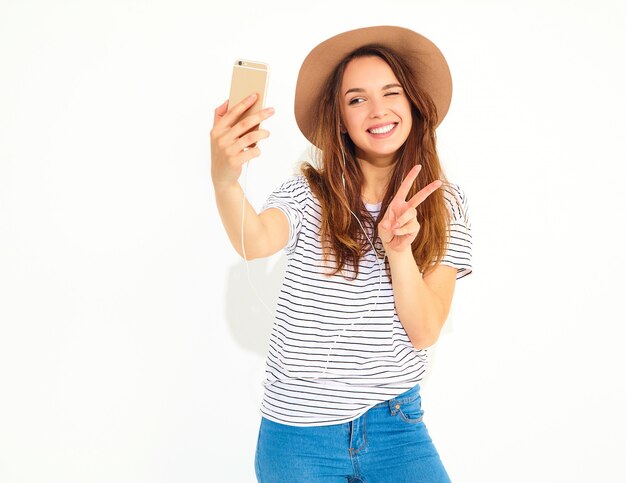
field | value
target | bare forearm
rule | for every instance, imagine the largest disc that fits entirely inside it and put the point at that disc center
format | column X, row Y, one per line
column 234, row 143
column 418, row 307
column 229, row 204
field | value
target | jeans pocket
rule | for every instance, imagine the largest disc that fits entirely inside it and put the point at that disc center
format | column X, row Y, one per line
column 411, row 411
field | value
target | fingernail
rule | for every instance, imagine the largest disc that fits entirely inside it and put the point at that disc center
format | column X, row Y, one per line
column 269, row 110
column 251, row 96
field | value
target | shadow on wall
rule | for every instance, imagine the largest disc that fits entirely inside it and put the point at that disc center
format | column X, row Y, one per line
column 249, row 320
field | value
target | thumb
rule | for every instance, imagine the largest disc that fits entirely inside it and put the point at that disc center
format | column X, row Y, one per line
column 220, row 111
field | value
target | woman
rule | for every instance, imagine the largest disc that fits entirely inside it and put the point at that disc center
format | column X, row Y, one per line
column 374, row 248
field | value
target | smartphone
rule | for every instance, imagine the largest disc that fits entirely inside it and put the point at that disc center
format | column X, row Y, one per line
column 249, row 77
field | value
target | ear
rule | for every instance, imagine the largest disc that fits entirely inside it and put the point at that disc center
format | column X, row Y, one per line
column 342, row 128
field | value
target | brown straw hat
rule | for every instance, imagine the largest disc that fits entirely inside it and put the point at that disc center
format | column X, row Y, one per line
column 428, row 63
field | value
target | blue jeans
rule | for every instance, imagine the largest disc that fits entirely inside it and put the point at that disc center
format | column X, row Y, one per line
column 387, row 444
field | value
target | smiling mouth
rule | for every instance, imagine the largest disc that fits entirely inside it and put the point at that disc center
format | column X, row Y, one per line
column 382, row 129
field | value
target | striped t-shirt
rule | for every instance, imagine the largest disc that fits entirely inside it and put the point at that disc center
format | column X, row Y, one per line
column 337, row 346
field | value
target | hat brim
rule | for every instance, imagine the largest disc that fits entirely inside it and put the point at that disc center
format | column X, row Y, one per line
column 432, row 73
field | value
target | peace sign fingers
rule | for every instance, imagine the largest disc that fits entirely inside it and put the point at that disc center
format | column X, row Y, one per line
column 407, row 182
column 424, row 193
column 399, row 226
column 405, row 187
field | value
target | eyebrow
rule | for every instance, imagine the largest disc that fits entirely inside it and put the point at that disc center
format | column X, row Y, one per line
column 359, row 89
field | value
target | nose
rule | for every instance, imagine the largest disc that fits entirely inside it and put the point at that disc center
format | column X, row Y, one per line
column 377, row 109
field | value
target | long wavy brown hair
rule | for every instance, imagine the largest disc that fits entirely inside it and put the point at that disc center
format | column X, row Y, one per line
column 342, row 237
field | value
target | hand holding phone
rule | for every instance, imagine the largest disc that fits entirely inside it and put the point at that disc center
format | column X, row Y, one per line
column 232, row 140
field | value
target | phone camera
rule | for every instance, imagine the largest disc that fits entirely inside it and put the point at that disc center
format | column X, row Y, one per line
column 240, row 63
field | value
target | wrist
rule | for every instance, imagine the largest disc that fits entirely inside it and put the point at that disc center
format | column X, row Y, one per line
column 402, row 257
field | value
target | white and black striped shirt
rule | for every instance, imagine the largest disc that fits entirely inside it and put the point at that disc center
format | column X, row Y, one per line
column 337, row 346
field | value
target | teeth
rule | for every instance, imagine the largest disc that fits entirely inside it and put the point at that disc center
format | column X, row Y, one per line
column 382, row 130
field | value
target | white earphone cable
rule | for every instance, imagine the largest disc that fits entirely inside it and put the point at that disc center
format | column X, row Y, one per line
column 379, row 261
column 243, row 245
column 380, row 275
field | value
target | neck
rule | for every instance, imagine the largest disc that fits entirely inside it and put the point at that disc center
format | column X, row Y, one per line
column 375, row 181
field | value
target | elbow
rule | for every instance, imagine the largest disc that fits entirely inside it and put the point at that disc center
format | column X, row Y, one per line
column 253, row 249
column 424, row 341
column 249, row 251
column 247, row 255
column 423, row 337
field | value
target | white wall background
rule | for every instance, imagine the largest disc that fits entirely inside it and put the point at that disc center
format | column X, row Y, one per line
column 131, row 344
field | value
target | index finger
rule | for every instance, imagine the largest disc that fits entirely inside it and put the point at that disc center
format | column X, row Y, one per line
column 405, row 187
column 232, row 115
column 424, row 193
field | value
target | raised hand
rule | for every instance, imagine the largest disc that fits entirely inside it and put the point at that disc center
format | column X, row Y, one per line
column 399, row 227
column 232, row 142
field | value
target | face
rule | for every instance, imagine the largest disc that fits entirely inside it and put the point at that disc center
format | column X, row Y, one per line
column 375, row 110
